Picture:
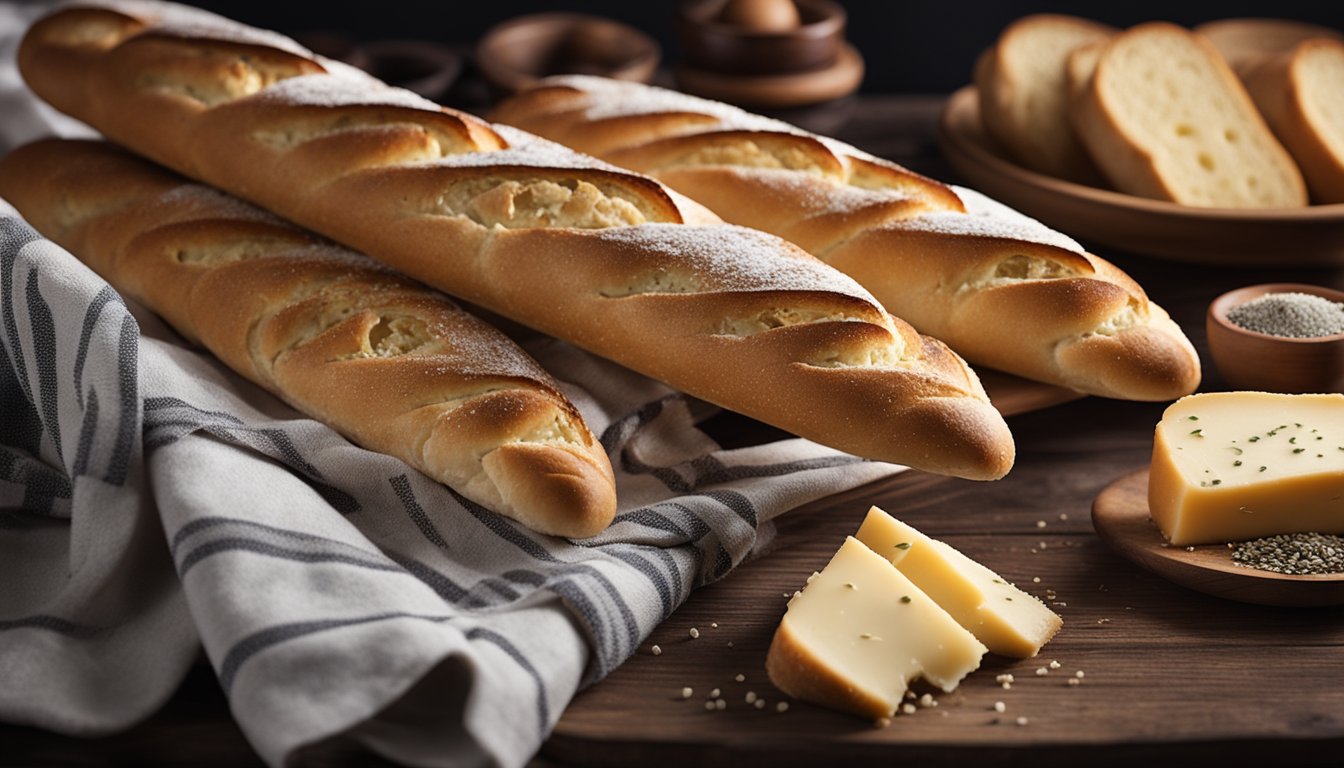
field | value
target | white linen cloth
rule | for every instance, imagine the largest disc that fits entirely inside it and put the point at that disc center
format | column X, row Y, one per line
column 153, row 503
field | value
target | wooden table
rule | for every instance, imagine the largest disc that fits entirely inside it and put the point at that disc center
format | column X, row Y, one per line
column 1169, row 673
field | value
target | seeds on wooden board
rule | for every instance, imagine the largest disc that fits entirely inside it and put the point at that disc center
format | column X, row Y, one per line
column 1292, row 553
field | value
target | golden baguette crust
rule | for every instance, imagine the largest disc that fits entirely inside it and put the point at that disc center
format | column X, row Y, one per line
column 1001, row 289
column 1298, row 92
column 531, row 230
column 393, row 366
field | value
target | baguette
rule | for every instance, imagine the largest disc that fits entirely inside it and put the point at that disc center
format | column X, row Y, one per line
column 392, row 365
column 1165, row 118
column 1301, row 94
column 535, row 232
column 1001, row 289
column 1021, row 86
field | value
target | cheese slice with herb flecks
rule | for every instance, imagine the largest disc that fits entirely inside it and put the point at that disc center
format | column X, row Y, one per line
column 1007, row 620
column 860, row 632
column 1230, row 466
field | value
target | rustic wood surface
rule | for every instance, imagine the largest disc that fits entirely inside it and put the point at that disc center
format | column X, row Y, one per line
column 1169, row 673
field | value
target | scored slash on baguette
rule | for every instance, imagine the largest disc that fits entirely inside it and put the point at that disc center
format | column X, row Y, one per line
column 393, row 366
column 530, row 230
column 999, row 288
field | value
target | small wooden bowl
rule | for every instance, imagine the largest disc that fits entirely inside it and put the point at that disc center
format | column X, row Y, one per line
column 519, row 52
column 714, row 46
column 1258, row 361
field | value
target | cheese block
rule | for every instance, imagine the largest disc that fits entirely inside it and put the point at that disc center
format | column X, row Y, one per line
column 1229, row 466
column 1007, row 620
column 860, row 632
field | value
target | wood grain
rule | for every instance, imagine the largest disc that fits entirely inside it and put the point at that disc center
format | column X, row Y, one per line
column 1167, row 670
column 1171, row 674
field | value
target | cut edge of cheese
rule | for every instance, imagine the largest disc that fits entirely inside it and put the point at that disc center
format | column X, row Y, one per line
column 1009, row 621
column 860, row 632
column 1206, row 483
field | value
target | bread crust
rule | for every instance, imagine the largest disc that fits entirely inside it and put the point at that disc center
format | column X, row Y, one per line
column 396, row 368
column 1076, row 321
column 1276, row 84
column 1244, row 42
column 1027, row 112
column 1141, row 163
column 530, row 230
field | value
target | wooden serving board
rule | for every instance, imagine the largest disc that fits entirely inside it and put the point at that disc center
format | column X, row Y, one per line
column 1122, row 519
column 1169, row 673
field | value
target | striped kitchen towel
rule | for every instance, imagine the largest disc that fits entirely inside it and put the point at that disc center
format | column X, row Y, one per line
column 152, row 502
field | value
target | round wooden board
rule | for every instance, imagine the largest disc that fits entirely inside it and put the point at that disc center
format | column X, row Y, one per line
column 1120, row 516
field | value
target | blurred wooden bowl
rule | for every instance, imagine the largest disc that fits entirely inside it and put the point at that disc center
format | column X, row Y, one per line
column 424, row 67
column 1259, row 361
column 517, row 53
column 710, row 44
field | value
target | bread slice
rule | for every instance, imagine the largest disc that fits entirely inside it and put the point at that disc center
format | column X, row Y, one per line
column 1301, row 95
column 1245, row 41
column 1021, row 84
column 1164, row 117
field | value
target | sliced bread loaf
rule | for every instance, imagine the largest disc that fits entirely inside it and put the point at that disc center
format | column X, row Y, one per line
column 1243, row 42
column 1021, row 84
column 1301, row 95
column 1164, row 117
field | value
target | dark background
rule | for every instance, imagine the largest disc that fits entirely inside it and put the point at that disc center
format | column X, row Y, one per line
column 928, row 46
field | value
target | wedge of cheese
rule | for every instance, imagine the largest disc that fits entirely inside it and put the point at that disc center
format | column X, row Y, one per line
column 860, row 632
column 1229, row 466
column 1007, row 620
